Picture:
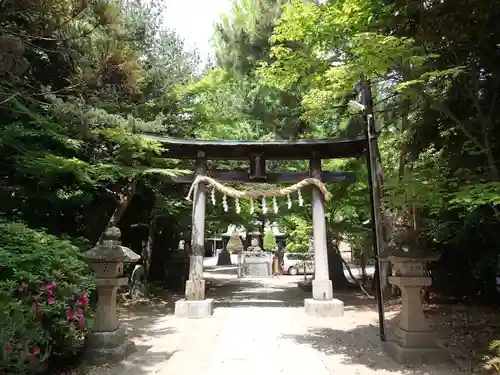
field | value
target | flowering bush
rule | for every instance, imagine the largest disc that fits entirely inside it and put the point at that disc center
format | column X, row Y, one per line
column 43, row 298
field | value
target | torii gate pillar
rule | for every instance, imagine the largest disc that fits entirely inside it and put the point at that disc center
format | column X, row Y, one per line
column 322, row 304
column 195, row 305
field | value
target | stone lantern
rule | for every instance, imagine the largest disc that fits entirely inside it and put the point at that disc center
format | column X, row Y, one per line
column 108, row 340
column 413, row 342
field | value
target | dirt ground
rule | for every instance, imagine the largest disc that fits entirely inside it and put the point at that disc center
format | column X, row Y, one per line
column 464, row 330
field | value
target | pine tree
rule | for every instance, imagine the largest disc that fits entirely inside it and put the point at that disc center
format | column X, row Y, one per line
column 234, row 244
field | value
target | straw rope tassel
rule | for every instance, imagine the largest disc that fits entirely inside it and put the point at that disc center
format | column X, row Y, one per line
column 224, row 203
column 212, row 196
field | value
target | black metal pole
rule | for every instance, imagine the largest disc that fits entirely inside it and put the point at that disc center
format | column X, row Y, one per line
column 372, row 155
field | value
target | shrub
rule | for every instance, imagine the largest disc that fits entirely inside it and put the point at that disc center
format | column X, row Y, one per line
column 43, row 298
column 270, row 241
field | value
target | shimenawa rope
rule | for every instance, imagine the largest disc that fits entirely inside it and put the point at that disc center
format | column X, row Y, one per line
column 257, row 193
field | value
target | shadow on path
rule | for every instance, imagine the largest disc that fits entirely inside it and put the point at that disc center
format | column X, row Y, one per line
column 148, row 324
column 143, row 361
column 282, row 291
column 350, row 344
column 221, row 270
column 257, row 293
column 360, row 346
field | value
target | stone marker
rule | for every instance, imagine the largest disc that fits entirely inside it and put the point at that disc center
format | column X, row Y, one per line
column 136, row 287
column 414, row 342
column 108, row 340
column 254, row 262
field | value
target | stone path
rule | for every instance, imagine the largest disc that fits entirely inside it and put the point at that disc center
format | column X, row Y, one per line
column 259, row 327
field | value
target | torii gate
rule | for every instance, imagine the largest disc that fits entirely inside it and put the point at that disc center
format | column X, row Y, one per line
column 257, row 153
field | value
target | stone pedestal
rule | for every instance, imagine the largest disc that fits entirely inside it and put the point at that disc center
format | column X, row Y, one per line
column 414, row 342
column 107, row 343
column 255, row 263
column 323, row 304
column 256, row 269
column 324, row 309
column 108, row 347
column 194, row 309
column 194, row 305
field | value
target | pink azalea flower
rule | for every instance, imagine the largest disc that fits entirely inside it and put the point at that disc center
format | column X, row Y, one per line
column 33, row 353
column 9, row 349
column 32, row 357
column 70, row 314
column 84, row 296
column 81, row 319
column 52, row 300
column 83, row 301
column 36, row 311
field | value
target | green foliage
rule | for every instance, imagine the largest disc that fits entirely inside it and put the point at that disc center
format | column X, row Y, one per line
column 80, row 80
column 105, row 71
column 270, row 241
column 299, row 233
column 241, row 38
column 43, row 279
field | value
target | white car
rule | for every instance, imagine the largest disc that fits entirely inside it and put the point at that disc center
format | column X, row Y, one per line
column 293, row 263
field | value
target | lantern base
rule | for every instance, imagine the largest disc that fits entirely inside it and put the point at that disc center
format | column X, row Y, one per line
column 324, row 309
column 415, row 356
column 108, row 347
column 194, row 309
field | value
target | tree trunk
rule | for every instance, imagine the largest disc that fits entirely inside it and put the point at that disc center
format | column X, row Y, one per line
column 147, row 250
column 224, row 258
column 123, row 201
column 336, row 268
column 164, row 242
column 362, row 262
column 357, row 281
